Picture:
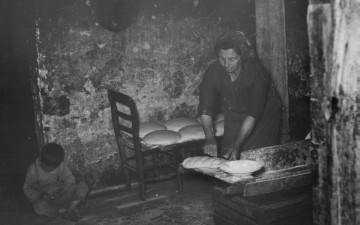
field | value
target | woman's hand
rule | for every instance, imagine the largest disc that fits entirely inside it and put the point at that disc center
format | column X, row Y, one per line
column 210, row 147
column 232, row 153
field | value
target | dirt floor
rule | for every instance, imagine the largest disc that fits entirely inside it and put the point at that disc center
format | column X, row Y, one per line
column 163, row 206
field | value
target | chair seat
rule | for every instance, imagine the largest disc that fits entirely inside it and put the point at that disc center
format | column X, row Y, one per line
column 128, row 141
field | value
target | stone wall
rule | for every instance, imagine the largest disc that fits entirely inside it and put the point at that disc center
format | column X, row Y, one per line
column 159, row 61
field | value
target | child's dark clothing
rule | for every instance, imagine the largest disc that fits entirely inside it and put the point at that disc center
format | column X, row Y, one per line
column 58, row 185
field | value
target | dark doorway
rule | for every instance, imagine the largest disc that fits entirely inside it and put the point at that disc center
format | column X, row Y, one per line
column 18, row 144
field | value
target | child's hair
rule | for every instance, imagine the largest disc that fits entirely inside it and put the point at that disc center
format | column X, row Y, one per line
column 52, row 154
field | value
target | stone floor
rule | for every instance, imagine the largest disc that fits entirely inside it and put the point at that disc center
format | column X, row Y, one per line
column 163, row 206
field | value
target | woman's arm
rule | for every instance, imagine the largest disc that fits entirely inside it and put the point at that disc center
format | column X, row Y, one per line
column 210, row 143
column 245, row 130
column 207, row 103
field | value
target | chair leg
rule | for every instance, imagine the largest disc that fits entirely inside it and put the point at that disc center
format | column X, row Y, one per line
column 124, row 164
column 141, row 176
column 142, row 189
column 155, row 158
column 179, row 172
column 180, row 179
column 127, row 179
column 141, row 179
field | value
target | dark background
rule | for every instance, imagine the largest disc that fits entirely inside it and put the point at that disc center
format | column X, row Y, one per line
column 18, row 143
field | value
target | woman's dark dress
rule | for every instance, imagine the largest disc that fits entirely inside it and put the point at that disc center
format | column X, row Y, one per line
column 252, row 94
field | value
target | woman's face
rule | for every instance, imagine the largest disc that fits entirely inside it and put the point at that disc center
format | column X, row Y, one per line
column 229, row 59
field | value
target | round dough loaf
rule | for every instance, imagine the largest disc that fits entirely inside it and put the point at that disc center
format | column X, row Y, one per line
column 178, row 123
column 219, row 128
column 147, row 127
column 192, row 132
column 202, row 162
column 161, row 137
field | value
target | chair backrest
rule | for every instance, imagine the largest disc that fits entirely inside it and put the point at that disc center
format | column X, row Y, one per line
column 125, row 117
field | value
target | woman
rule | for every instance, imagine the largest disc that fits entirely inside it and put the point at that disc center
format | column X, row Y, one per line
column 251, row 105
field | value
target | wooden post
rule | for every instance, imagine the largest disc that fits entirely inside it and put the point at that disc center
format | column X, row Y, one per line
column 345, row 136
column 334, row 31
column 319, row 29
column 271, row 49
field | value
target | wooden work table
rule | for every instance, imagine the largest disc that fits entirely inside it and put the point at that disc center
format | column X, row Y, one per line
column 281, row 164
column 279, row 193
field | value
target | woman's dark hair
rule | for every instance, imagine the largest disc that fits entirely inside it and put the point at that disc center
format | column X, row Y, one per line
column 236, row 40
column 52, row 154
column 226, row 45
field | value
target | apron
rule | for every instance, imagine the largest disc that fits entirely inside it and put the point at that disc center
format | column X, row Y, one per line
column 266, row 131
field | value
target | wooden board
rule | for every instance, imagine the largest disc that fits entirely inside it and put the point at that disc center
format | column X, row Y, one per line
column 271, row 181
column 271, row 49
column 278, row 184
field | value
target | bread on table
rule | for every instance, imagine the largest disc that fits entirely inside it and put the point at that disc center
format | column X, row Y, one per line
column 202, row 162
column 161, row 138
column 241, row 166
column 178, row 123
column 147, row 127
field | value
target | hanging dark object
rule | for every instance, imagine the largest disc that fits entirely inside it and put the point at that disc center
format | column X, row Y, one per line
column 117, row 15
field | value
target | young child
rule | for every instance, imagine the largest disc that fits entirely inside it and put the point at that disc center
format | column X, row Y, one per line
column 50, row 185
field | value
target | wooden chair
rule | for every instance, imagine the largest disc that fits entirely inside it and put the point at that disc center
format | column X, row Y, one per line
column 135, row 156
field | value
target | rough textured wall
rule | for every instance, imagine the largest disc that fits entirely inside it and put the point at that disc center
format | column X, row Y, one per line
column 334, row 29
column 158, row 61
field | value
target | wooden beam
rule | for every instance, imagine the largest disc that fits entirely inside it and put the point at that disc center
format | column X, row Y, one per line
column 345, row 102
column 319, row 30
column 271, row 49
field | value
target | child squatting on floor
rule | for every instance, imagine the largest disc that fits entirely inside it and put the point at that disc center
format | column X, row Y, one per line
column 50, row 185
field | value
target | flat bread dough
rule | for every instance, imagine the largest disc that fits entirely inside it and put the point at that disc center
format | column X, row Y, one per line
column 178, row 123
column 147, row 127
column 219, row 128
column 240, row 166
column 202, row 162
column 161, row 137
column 192, row 132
